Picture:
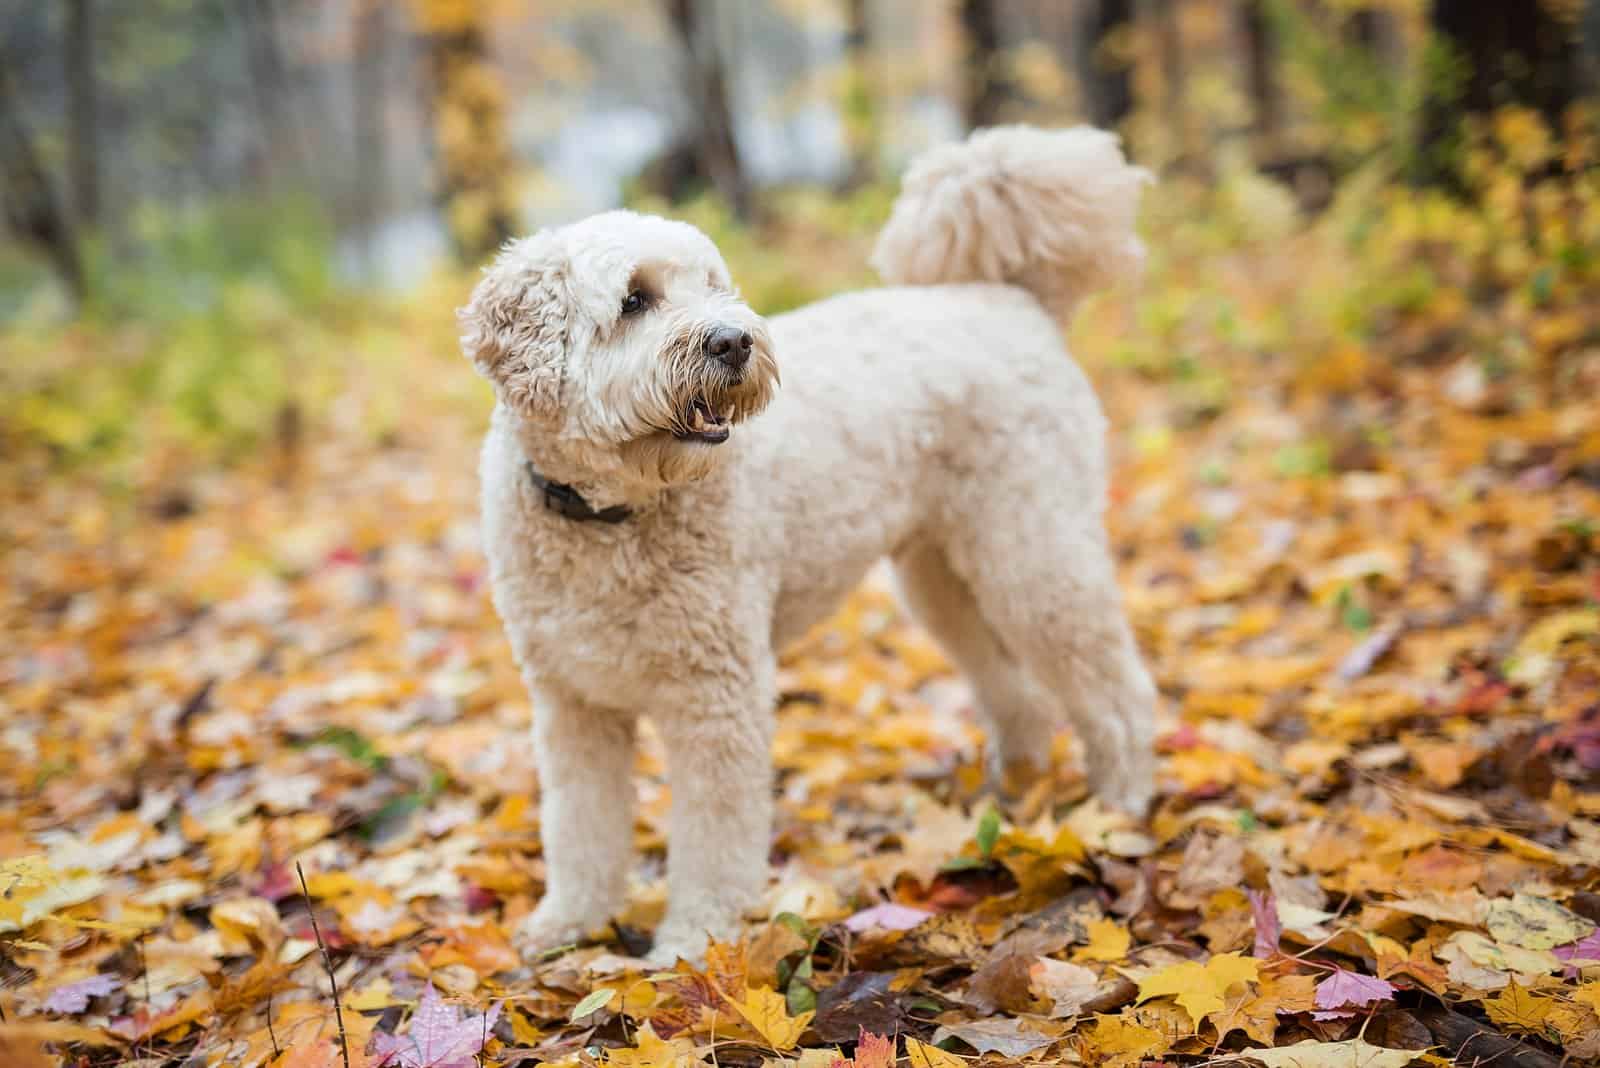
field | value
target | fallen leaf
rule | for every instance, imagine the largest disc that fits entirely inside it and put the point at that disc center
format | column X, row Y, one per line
column 651, row 1051
column 873, row 1051
column 1066, row 986
column 1268, row 929
column 924, row 1055
column 1310, row 1054
column 1006, row 1037
column 1519, row 1009
column 1116, row 1041
column 438, row 1036
column 767, row 1011
column 1200, row 988
column 1534, row 922
column 74, row 997
column 1346, row 989
column 592, row 1003
column 889, row 917
column 1108, row 941
column 1580, row 954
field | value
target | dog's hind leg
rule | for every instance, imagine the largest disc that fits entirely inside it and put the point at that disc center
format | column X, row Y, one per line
column 1044, row 581
column 585, row 761
column 1020, row 718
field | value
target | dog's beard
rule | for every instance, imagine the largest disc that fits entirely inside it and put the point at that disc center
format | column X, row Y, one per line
column 698, row 400
column 684, row 405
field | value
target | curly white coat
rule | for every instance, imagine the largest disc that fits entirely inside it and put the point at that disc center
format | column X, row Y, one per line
column 939, row 423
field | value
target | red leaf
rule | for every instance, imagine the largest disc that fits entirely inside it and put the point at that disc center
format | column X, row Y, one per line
column 1269, row 929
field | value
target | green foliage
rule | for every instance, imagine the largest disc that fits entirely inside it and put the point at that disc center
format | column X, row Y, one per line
column 226, row 318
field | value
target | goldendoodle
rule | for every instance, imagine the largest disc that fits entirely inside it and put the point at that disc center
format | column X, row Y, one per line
column 660, row 517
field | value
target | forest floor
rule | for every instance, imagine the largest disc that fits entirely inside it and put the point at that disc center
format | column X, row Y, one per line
column 1366, row 579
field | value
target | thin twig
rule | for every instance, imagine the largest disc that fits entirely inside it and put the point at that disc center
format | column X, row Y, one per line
column 144, row 968
column 327, row 964
column 270, row 1032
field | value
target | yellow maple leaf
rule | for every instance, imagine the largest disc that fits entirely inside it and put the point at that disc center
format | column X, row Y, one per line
column 1200, row 989
column 1573, row 1022
column 1108, row 941
column 767, row 1012
column 1254, row 1014
column 922, row 1055
column 1117, row 1041
column 1520, row 1008
column 1589, row 994
column 651, row 1051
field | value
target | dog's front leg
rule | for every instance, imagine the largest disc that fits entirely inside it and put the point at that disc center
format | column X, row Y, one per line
column 585, row 760
column 719, row 762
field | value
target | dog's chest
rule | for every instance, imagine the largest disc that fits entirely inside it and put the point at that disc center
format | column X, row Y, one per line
column 616, row 621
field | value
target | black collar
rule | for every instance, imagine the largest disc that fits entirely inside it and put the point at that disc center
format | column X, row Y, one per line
column 567, row 502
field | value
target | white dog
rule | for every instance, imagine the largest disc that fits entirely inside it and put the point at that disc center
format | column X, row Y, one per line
column 660, row 517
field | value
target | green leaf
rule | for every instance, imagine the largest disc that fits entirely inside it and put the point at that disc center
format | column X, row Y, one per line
column 988, row 831
column 799, row 996
column 1353, row 613
column 351, row 743
column 594, row 1002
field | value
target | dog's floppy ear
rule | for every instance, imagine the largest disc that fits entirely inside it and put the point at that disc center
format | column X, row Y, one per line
column 514, row 328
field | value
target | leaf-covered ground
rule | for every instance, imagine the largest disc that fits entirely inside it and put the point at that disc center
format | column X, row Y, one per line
column 1366, row 574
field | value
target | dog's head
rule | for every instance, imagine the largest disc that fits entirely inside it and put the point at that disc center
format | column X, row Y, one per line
column 621, row 343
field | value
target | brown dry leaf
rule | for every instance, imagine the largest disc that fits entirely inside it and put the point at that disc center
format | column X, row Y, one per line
column 1007, row 1037
column 1068, row 987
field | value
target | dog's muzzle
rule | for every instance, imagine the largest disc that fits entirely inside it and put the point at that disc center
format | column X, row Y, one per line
column 711, row 412
column 704, row 423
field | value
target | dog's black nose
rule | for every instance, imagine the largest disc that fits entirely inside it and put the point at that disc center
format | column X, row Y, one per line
column 730, row 345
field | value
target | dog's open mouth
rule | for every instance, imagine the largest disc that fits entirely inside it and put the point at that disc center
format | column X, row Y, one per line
column 703, row 423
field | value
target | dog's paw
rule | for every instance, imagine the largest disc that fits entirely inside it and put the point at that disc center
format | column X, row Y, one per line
column 672, row 945
column 686, row 937
column 549, row 928
column 1128, row 787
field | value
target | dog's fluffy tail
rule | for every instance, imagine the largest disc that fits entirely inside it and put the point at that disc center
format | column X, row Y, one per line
column 1051, row 211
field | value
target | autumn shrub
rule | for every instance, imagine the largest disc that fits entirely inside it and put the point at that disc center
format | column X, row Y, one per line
column 1507, row 274
column 233, row 316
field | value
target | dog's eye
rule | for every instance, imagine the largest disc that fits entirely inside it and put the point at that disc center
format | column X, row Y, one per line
column 633, row 303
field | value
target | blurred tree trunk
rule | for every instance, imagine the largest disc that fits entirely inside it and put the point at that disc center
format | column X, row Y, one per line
column 1162, row 17
column 82, row 113
column 713, row 150
column 476, row 187
column 861, row 96
column 32, row 211
column 1261, row 51
column 987, row 84
column 270, row 81
column 1105, row 73
column 1510, row 54
column 366, row 96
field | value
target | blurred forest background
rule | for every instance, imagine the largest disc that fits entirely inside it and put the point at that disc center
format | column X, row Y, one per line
column 1356, row 507
column 200, row 168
